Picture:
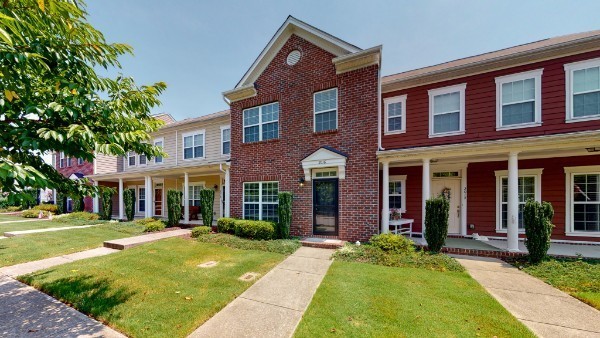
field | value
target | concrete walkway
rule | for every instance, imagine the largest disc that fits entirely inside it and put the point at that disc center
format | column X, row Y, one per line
column 130, row 242
column 273, row 306
column 29, row 232
column 25, row 220
column 546, row 311
column 26, row 312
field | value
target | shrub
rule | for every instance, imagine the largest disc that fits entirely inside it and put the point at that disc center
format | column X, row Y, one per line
column 393, row 243
column 129, row 201
column 61, row 203
column 106, row 194
column 33, row 213
column 226, row 225
column 153, row 226
column 282, row 246
column 13, row 209
column 199, row 231
column 173, row 207
column 436, row 223
column 47, row 207
column 537, row 218
column 284, row 212
column 78, row 203
column 81, row 216
column 207, row 200
column 145, row 221
column 254, row 229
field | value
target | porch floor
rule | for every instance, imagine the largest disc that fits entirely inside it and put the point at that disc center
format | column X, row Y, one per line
column 557, row 249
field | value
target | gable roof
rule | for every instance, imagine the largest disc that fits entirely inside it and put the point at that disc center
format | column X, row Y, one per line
column 165, row 117
column 203, row 118
column 495, row 56
column 310, row 33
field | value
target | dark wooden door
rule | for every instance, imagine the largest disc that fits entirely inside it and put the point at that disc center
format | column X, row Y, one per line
column 325, row 206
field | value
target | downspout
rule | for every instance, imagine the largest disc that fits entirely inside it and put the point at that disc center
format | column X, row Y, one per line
column 379, row 146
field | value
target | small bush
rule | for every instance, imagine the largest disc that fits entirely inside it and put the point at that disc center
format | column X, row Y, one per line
column 254, row 229
column 282, row 246
column 154, row 226
column 107, row 208
column 199, row 231
column 226, row 225
column 34, row 213
column 81, row 216
column 13, row 209
column 207, row 200
column 173, row 207
column 537, row 218
column 393, row 243
column 145, row 221
column 129, row 201
column 436, row 223
column 47, row 207
column 284, row 213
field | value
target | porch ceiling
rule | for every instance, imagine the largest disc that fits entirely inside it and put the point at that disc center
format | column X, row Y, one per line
column 175, row 172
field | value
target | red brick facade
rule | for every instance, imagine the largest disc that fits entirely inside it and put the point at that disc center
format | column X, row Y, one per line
column 280, row 159
column 86, row 169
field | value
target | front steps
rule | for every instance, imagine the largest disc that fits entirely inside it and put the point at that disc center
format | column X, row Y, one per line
column 323, row 243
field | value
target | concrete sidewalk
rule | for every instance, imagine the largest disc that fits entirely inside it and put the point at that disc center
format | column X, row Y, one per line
column 26, row 312
column 130, row 242
column 25, row 220
column 546, row 311
column 273, row 306
column 29, row 232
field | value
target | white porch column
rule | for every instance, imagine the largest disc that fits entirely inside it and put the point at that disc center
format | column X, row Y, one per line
column 96, row 201
column 54, row 197
column 186, row 198
column 226, row 192
column 426, row 189
column 385, row 198
column 121, row 211
column 148, row 186
column 512, row 233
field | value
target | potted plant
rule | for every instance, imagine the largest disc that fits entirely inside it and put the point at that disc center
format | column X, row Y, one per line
column 395, row 214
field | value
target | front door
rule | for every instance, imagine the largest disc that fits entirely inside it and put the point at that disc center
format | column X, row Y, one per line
column 451, row 188
column 325, row 206
column 158, row 202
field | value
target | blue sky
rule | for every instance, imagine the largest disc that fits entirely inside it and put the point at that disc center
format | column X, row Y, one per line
column 202, row 48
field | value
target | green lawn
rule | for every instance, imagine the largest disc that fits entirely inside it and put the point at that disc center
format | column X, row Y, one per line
column 14, row 250
column 33, row 225
column 4, row 218
column 579, row 278
column 365, row 300
column 155, row 290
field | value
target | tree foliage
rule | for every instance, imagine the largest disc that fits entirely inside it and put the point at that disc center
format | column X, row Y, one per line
column 129, row 201
column 173, row 207
column 436, row 222
column 52, row 98
column 537, row 218
column 207, row 200
column 284, row 211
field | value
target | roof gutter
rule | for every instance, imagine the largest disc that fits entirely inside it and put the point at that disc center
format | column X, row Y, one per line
column 379, row 137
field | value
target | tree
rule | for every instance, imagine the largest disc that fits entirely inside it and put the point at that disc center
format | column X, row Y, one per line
column 52, row 99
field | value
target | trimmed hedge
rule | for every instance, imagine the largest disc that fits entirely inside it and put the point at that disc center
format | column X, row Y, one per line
column 254, row 229
column 61, row 203
column 226, row 225
column 436, row 223
column 154, row 226
column 537, row 218
column 207, row 200
column 33, row 213
column 199, row 231
column 47, row 207
column 173, row 207
column 107, row 207
column 129, row 201
column 284, row 212
column 81, row 215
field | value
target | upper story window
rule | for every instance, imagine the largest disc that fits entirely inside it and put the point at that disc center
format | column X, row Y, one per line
column 447, row 111
column 62, row 161
column 69, row 161
column 583, row 90
column 193, row 145
column 131, row 159
column 225, row 140
column 519, row 100
column 159, row 142
column 325, row 110
column 261, row 123
column 395, row 114
column 80, row 161
column 143, row 160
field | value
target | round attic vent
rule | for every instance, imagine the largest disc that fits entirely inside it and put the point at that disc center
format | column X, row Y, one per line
column 293, row 57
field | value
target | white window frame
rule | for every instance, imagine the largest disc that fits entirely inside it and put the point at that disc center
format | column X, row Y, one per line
column 223, row 128
column 260, row 201
column 137, row 199
column 193, row 184
column 390, row 100
column 536, row 75
column 69, row 161
column 193, row 133
column 570, row 172
column 402, row 180
column 324, row 170
column 140, row 160
column 460, row 88
column 79, row 161
column 315, row 112
column 570, row 68
column 130, row 155
column 500, row 174
column 260, row 123
column 62, row 161
column 160, row 140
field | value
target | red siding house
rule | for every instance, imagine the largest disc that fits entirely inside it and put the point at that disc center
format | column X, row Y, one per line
column 74, row 168
column 493, row 131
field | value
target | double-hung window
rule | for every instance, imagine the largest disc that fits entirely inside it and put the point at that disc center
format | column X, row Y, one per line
column 529, row 187
column 143, row 160
column 225, row 140
column 62, row 161
column 131, row 159
column 260, row 200
column 194, row 193
column 397, row 193
column 193, row 145
column 583, row 201
column 395, row 114
column 583, row 90
column 159, row 143
column 141, row 199
column 325, row 110
column 261, row 123
column 447, row 111
column 80, row 161
column 69, row 161
column 519, row 100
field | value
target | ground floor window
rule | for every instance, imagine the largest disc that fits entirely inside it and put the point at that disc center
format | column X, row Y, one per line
column 397, row 195
column 141, row 199
column 585, row 201
column 194, row 194
column 260, row 200
column 529, row 187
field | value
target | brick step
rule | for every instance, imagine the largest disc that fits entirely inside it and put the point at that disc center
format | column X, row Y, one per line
column 323, row 243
